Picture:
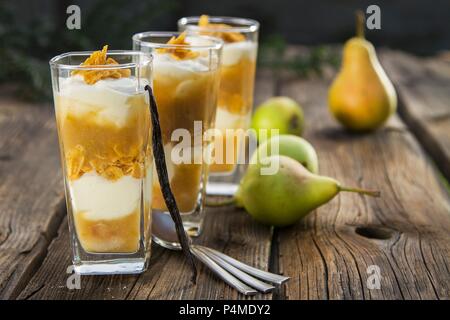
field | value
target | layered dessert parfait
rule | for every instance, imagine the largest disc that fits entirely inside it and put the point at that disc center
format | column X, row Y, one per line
column 185, row 87
column 104, row 131
column 236, row 90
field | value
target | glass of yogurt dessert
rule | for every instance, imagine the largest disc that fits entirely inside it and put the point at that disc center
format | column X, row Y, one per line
column 185, row 85
column 235, row 102
column 104, row 130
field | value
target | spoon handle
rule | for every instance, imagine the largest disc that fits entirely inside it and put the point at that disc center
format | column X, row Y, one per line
column 251, row 281
column 222, row 273
column 264, row 275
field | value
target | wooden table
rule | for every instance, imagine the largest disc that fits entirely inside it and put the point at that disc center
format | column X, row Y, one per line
column 327, row 255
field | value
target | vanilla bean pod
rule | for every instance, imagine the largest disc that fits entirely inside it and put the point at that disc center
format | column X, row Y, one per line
column 158, row 152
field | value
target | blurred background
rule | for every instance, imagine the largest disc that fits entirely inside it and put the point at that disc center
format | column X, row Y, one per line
column 31, row 32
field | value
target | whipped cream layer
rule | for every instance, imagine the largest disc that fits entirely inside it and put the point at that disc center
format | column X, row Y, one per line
column 102, row 199
column 233, row 52
column 106, row 98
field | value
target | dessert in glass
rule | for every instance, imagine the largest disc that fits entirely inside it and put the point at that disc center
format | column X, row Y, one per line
column 104, row 131
column 235, row 102
column 185, row 85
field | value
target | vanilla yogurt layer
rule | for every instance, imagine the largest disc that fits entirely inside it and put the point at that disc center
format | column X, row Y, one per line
column 107, row 97
column 165, row 64
column 102, row 199
column 233, row 52
column 228, row 120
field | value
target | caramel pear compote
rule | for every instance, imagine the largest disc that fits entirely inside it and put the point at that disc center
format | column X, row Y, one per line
column 104, row 125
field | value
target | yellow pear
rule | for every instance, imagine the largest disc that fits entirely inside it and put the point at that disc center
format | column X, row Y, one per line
column 361, row 97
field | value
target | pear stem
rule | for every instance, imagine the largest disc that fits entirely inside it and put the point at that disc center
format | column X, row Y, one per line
column 372, row 193
column 226, row 202
column 360, row 19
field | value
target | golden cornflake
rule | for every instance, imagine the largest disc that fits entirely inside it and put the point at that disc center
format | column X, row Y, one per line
column 137, row 170
column 179, row 53
column 112, row 173
column 111, row 168
column 225, row 36
column 75, row 161
column 98, row 59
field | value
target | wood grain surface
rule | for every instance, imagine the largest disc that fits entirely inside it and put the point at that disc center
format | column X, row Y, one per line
column 31, row 191
column 405, row 233
column 329, row 255
column 424, row 92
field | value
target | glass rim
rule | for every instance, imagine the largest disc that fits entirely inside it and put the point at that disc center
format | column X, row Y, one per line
column 243, row 25
column 137, row 38
column 54, row 62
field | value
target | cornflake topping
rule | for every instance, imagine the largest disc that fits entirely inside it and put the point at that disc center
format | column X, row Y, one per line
column 179, row 53
column 98, row 59
column 225, row 36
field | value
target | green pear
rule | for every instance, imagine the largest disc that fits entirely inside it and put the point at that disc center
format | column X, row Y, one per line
column 291, row 146
column 280, row 113
column 291, row 193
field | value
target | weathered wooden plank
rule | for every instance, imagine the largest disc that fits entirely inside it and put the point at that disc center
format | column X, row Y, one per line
column 230, row 231
column 405, row 232
column 423, row 86
column 31, row 194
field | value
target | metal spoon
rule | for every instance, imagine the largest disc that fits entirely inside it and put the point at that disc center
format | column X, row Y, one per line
column 255, row 283
column 223, row 274
column 261, row 274
column 229, row 269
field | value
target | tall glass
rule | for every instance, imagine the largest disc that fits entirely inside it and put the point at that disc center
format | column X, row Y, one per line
column 103, row 120
column 185, row 82
column 235, row 101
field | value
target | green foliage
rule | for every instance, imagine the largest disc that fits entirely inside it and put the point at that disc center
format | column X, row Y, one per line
column 17, row 65
column 26, row 46
column 274, row 55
